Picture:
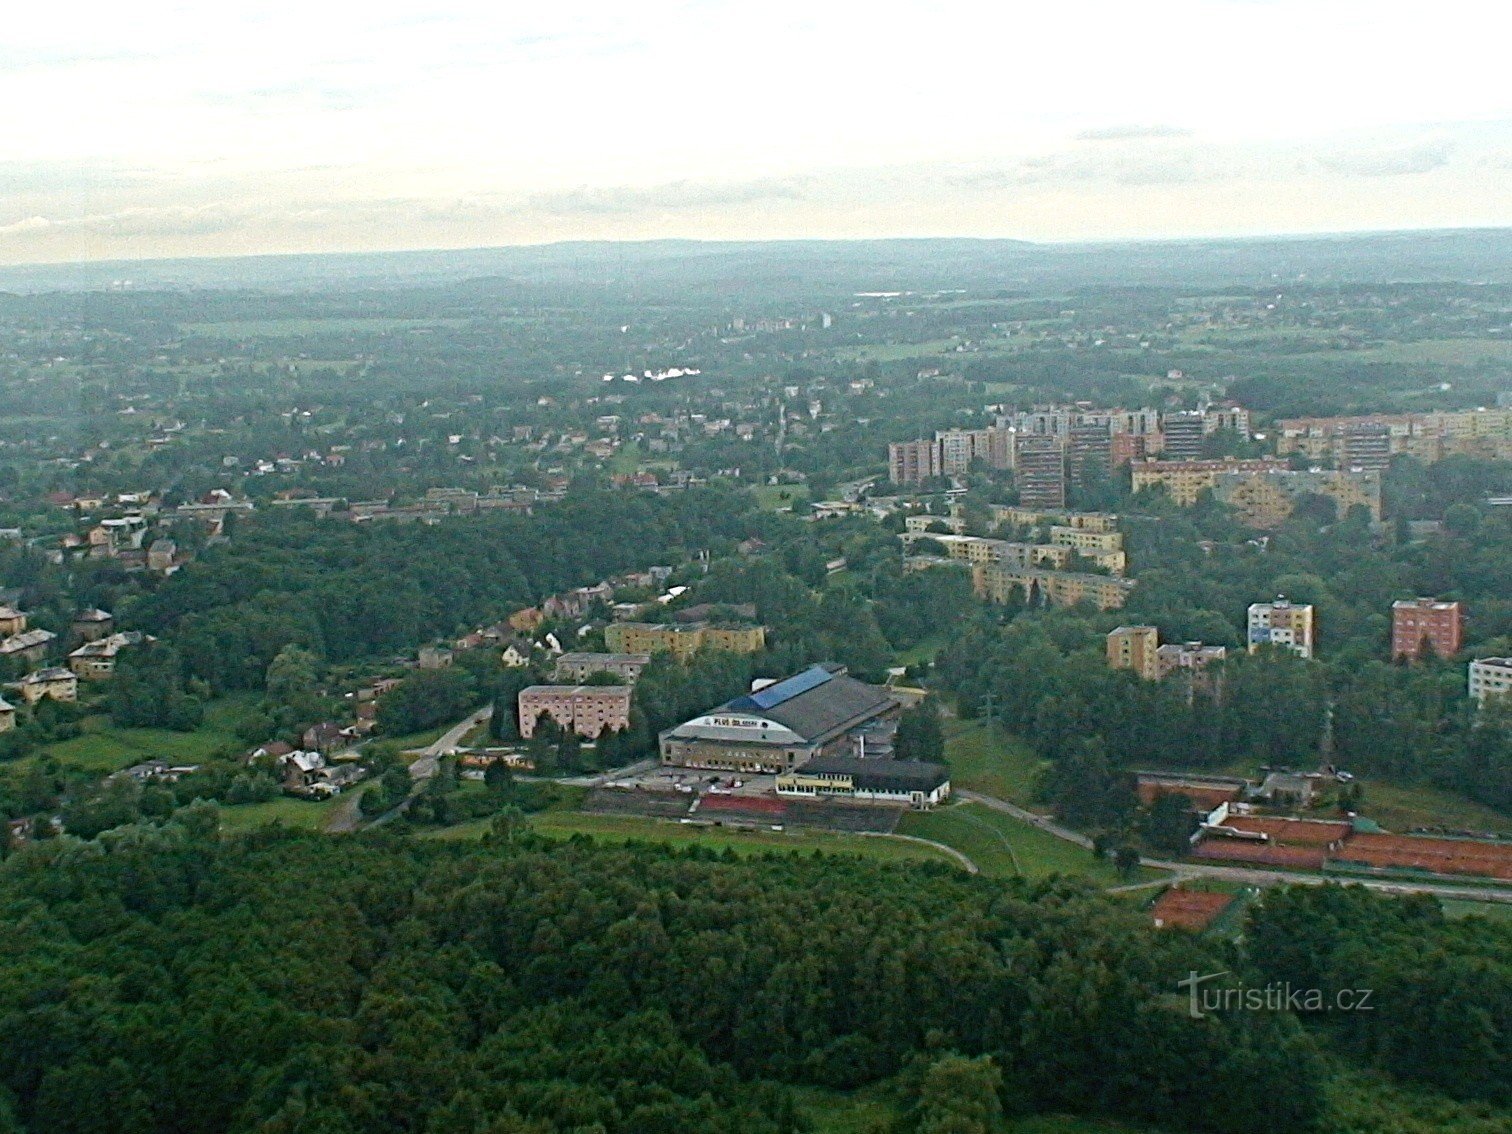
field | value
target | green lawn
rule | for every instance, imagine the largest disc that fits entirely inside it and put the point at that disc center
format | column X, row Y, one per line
column 1005, row 847
column 986, row 759
column 624, row 828
column 771, row 497
column 302, row 813
column 925, row 651
column 1496, row 911
column 1400, row 808
column 105, row 748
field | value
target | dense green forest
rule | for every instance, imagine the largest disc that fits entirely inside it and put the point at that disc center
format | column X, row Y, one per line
column 164, row 979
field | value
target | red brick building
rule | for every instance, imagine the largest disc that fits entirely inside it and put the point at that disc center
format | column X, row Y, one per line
column 1415, row 621
column 586, row 709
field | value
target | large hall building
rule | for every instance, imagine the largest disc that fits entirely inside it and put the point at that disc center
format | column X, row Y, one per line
column 818, row 712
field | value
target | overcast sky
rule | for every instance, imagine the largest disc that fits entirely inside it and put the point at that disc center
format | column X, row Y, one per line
column 237, row 126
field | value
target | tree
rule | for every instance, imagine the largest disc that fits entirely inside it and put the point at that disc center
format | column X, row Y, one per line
column 919, row 735
column 956, row 1095
column 1126, row 859
column 1170, row 823
column 425, row 699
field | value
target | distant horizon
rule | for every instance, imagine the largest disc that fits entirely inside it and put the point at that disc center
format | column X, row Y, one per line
column 423, row 250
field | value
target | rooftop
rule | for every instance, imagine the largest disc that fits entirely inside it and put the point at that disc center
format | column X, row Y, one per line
column 895, row 775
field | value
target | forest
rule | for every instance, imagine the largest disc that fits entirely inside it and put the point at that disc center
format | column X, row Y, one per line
column 382, row 983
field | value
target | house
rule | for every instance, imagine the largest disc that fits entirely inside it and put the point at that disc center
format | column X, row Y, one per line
column 435, row 657
column 162, row 556
column 299, row 769
column 93, row 624
column 323, row 737
column 516, row 653
column 95, row 661
column 55, row 682
column 7, row 715
column 29, row 645
column 12, row 621
column 274, row 750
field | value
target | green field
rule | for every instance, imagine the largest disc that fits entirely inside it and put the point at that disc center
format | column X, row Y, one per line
column 986, row 759
column 624, row 828
column 1496, row 911
column 104, row 748
column 302, row 813
column 1005, row 847
column 772, row 497
column 1400, row 808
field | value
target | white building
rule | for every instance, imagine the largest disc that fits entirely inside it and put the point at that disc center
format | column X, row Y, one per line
column 1281, row 623
column 1490, row 677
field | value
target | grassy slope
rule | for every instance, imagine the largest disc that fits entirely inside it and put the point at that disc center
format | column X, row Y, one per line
column 623, row 828
column 986, row 759
column 104, row 748
column 302, row 813
column 1003, row 846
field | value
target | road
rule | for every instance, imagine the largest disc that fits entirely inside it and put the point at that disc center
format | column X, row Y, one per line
column 1250, row 876
column 430, row 756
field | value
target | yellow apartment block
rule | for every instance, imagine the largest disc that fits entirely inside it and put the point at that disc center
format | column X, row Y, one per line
column 1185, row 481
column 681, row 639
column 1135, row 647
column 1059, row 588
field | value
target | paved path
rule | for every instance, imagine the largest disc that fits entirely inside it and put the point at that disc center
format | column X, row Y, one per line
column 971, row 867
column 430, row 756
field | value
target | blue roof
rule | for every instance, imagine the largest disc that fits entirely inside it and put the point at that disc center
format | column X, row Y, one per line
column 784, row 690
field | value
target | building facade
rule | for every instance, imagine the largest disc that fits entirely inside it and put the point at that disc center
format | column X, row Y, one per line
column 999, row 582
column 1490, row 677
column 1420, row 622
column 584, row 709
column 1039, row 471
column 1281, row 623
column 1135, row 648
column 578, row 667
column 914, row 783
column 682, row 639
column 1185, row 481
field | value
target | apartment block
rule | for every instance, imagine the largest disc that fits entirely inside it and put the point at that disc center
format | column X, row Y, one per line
column 1184, row 434
column 1135, row 647
column 1039, row 469
column 910, row 462
column 1281, row 623
column 1265, row 499
column 585, row 709
column 1198, row 664
column 682, row 639
column 998, row 582
column 1490, row 677
column 1185, row 481
column 1426, row 621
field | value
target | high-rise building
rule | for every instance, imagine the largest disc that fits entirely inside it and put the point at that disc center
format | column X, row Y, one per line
column 1183, row 436
column 1136, row 648
column 1200, row 665
column 1089, row 453
column 1365, row 445
column 1490, row 677
column 1425, row 620
column 910, row 462
column 1039, row 465
column 1281, row 623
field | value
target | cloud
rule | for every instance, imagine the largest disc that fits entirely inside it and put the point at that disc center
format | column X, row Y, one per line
column 1389, row 162
column 1132, row 133
column 671, row 197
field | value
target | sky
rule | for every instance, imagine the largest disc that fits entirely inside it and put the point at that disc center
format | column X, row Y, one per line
column 260, row 126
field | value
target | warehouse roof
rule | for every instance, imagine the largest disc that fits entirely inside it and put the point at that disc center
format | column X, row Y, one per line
column 819, row 702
